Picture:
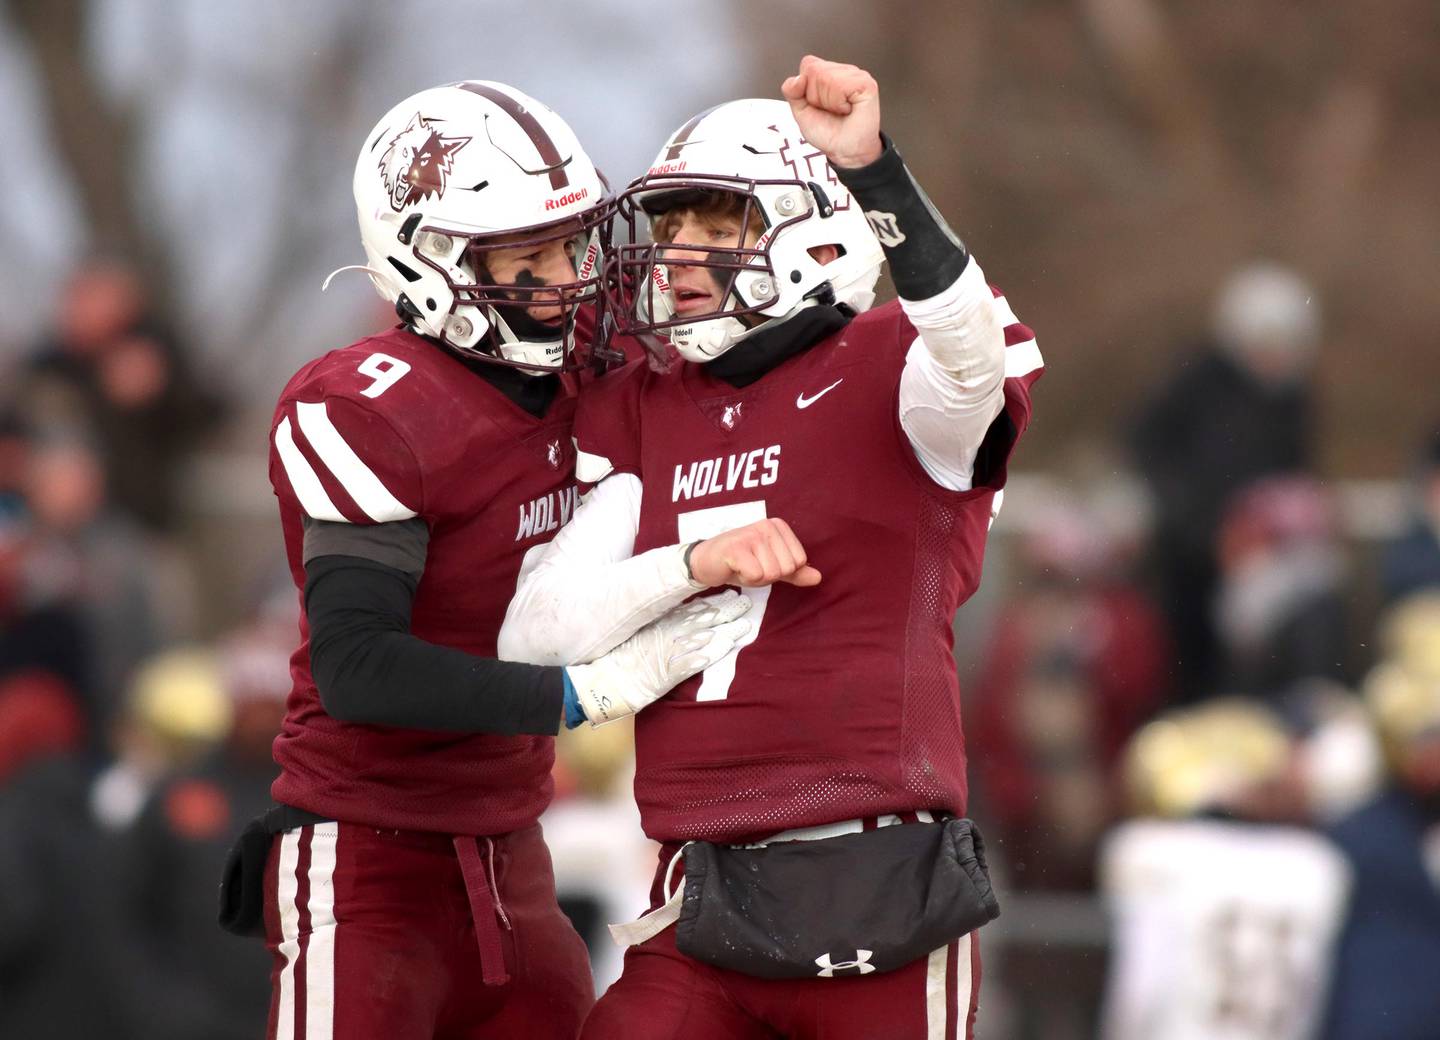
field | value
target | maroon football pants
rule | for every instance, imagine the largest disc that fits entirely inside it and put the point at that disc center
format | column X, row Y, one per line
column 664, row 995
column 405, row 935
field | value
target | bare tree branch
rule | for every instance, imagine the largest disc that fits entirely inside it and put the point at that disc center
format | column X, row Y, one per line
column 95, row 138
column 329, row 100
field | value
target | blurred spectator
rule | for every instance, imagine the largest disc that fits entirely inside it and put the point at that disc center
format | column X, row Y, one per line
column 1340, row 761
column 1235, row 412
column 1412, row 561
column 14, row 450
column 110, row 374
column 214, row 986
column 133, row 593
column 1280, row 606
column 1385, row 973
column 1077, row 661
column 1225, row 906
column 61, row 944
column 604, row 864
column 37, row 631
column 176, row 711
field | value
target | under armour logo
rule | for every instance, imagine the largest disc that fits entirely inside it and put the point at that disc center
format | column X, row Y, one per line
column 828, row 968
column 885, row 226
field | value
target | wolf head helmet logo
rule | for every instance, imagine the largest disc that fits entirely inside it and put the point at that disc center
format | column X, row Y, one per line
column 417, row 162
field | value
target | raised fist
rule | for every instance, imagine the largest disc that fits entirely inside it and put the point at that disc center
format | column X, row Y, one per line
column 838, row 109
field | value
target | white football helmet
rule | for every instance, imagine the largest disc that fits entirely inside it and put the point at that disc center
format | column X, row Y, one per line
column 445, row 174
column 755, row 149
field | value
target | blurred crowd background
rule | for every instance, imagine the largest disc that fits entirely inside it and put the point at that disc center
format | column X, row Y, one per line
column 1208, row 633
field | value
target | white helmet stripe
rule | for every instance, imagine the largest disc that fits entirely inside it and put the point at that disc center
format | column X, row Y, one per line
column 358, row 479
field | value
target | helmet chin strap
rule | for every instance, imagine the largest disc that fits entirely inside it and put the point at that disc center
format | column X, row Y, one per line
column 707, row 340
column 512, row 343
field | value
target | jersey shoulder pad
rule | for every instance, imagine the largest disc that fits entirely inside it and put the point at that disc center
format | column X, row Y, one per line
column 345, row 442
column 607, row 424
column 881, row 334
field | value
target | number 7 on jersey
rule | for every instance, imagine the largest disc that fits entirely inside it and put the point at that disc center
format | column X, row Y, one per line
column 695, row 526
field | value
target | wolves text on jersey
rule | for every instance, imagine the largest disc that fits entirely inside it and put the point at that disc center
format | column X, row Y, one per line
column 747, row 469
column 547, row 513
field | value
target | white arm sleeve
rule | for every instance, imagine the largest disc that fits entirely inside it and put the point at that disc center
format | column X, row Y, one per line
column 952, row 387
column 582, row 594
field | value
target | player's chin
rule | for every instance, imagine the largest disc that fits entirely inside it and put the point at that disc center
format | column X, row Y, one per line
column 547, row 315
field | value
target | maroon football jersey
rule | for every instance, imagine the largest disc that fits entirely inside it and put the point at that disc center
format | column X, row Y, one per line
column 390, row 428
column 844, row 701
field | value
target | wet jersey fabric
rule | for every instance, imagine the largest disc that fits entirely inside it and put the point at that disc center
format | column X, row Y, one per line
column 389, row 429
column 844, row 700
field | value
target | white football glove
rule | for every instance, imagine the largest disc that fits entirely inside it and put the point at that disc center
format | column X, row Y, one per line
column 666, row 652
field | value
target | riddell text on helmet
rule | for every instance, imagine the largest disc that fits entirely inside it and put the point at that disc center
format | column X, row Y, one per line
column 569, row 198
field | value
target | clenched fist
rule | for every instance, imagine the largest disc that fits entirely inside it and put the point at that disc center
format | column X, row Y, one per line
column 757, row 554
column 838, row 109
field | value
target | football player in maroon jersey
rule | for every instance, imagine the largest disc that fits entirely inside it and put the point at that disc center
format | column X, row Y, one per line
column 410, row 894
column 881, row 437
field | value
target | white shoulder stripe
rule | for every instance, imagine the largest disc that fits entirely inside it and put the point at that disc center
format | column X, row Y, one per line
column 1005, row 313
column 356, row 477
column 591, row 468
column 1022, row 358
column 303, row 480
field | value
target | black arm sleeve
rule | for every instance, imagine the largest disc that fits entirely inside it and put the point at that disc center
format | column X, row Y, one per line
column 370, row 669
column 925, row 255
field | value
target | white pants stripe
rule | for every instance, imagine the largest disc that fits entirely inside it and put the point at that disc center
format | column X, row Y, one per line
column 286, row 890
column 935, row 1015
column 320, row 952
column 939, row 1012
column 964, row 965
column 319, row 1010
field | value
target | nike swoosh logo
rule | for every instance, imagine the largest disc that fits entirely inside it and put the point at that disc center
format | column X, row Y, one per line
column 801, row 401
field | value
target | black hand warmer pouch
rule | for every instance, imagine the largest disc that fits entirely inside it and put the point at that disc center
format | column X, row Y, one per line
column 242, row 884
column 842, row 906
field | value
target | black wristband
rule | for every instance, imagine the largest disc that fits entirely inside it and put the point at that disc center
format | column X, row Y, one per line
column 925, row 256
column 685, row 558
